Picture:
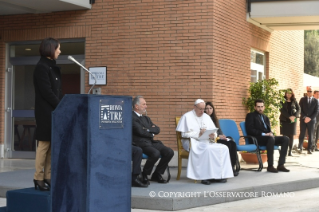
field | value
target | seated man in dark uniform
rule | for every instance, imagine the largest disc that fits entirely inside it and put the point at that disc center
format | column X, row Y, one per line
column 137, row 154
column 143, row 136
column 258, row 125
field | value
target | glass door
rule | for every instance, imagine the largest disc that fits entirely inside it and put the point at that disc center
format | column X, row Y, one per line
column 20, row 120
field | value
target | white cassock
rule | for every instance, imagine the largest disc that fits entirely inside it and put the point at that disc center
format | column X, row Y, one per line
column 206, row 160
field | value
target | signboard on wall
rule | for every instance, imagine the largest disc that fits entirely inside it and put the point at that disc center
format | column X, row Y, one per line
column 100, row 75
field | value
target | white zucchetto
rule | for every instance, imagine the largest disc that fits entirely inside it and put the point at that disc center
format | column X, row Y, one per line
column 198, row 101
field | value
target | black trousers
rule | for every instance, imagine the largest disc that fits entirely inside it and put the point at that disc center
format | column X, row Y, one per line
column 269, row 142
column 315, row 134
column 154, row 152
column 232, row 150
column 137, row 154
column 310, row 127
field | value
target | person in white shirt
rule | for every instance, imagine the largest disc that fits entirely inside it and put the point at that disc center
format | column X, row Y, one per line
column 208, row 161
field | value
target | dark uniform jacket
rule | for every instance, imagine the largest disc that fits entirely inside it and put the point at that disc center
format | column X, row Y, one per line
column 48, row 93
column 254, row 124
column 143, row 131
column 284, row 115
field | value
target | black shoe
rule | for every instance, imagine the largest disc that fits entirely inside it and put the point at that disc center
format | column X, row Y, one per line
column 316, row 150
column 282, row 168
column 40, row 184
column 309, row 152
column 218, row 180
column 205, row 182
column 145, row 179
column 158, row 177
column 272, row 169
column 138, row 183
column 48, row 182
column 236, row 173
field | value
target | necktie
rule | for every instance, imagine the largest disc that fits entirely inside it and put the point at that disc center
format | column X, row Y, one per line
column 263, row 121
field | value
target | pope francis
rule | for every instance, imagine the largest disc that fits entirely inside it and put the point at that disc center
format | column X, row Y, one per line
column 208, row 161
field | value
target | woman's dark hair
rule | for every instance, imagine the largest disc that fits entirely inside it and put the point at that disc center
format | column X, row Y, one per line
column 48, row 46
column 292, row 94
column 213, row 116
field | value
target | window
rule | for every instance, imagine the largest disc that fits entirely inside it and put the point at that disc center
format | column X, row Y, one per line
column 257, row 65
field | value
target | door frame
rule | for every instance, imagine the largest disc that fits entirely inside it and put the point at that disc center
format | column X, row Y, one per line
column 6, row 150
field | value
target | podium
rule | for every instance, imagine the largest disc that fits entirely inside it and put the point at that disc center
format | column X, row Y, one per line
column 91, row 153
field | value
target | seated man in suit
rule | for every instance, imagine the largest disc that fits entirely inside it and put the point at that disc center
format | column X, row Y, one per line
column 258, row 125
column 137, row 154
column 143, row 136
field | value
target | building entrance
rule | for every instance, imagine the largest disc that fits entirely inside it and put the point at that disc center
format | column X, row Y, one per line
column 20, row 122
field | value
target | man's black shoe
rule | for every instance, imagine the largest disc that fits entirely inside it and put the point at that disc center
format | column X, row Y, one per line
column 272, row 169
column 282, row 168
column 158, row 177
column 145, row 179
column 236, row 173
column 309, row 152
column 316, row 150
column 218, row 180
column 138, row 183
column 205, row 182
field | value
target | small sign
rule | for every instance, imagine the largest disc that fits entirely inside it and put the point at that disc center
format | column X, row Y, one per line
column 100, row 75
column 111, row 113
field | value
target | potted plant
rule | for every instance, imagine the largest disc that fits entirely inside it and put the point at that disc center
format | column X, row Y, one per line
column 251, row 158
column 266, row 90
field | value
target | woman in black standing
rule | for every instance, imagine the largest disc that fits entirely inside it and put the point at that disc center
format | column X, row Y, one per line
column 210, row 110
column 47, row 86
column 290, row 111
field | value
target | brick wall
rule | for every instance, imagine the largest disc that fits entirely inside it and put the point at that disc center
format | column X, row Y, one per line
column 171, row 52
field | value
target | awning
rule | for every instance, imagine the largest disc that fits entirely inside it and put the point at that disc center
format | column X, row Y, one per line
column 13, row 7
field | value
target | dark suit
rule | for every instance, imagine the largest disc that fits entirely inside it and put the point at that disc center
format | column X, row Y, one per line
column 143, row 131
column 307, row 110
column 316, row 130
column 137, row 154
column 255, row 127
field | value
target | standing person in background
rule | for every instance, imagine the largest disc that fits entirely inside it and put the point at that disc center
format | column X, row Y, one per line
column 48, row 93
column 316, row 128
column 210, row 110
column 309, row 110
column 289, row 113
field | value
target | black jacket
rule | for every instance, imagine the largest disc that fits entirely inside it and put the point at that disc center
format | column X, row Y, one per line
column 310, row 111
column 255, row 126
column 143, row 131
column 284, row 115
column 48, row 93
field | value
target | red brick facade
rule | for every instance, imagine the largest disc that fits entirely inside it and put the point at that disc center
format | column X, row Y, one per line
column 171, row 52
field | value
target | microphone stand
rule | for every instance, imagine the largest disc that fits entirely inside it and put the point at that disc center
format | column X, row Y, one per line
column 72, row 59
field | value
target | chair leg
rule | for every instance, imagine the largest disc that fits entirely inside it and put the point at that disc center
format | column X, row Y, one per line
column 168, row 174
column 259, row 161
column 179, row 168
column 237, row 168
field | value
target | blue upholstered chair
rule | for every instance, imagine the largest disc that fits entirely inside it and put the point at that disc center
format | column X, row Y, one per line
column 168, row 172
column 230, row 129
column 261, row 148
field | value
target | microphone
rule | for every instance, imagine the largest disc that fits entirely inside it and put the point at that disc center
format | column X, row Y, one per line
column 72, row 59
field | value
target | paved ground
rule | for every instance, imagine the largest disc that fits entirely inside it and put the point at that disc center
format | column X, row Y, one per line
column 306, row 200
column 302, row 166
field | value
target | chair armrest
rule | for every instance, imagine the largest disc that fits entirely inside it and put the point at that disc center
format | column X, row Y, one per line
column 253, row 139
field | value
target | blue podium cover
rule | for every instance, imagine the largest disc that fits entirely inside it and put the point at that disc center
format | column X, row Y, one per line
column 28, row 200
column 91, row 153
